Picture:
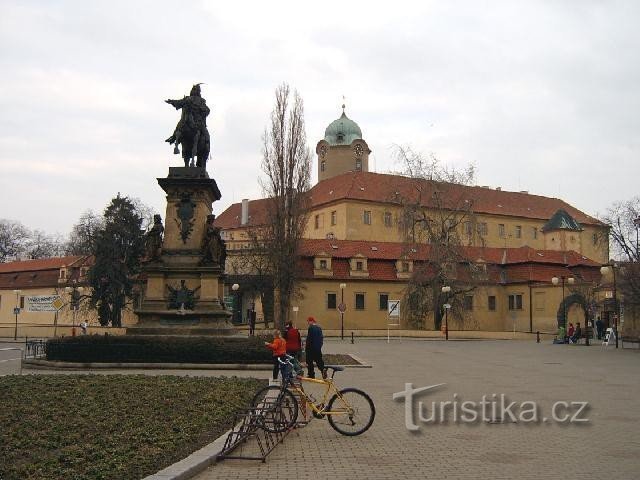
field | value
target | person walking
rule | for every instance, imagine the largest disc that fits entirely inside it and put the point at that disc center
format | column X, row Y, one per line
column 294, row 341
column 83, row 327
column 279, row 349
column 251, row 317
column 313, row 348
column 599, row 327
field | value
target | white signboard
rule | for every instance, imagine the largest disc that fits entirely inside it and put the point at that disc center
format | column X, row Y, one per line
column 394, row 308
column 43, row 303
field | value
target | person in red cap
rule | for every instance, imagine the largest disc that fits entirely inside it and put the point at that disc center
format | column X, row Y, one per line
column 313, row 348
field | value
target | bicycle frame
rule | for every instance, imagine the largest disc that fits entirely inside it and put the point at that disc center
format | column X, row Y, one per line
column 330, row 390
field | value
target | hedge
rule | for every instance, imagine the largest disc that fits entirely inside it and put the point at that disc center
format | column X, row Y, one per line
column 157, row 349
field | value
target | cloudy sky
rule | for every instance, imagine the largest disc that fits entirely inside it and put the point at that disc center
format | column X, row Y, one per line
column 541, row 96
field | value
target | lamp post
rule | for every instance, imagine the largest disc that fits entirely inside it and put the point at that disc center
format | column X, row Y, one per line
column 16, row 310
column 555, row 281
column 446, row 289
column 75, row 293
column 604, row 270
column 342, row 309
column 237, row 307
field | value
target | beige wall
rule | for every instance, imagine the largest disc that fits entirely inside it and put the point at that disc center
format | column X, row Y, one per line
column 546, row 302
column 341, row 159
column 43, row 323
column 350, row 226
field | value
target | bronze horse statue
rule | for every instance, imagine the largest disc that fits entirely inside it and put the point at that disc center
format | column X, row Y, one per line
column 191, row 131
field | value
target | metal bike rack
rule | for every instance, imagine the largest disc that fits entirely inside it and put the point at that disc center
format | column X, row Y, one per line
column 248, row 425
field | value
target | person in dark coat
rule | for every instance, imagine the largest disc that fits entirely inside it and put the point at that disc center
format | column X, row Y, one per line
column 599, row 328
column 313, row 348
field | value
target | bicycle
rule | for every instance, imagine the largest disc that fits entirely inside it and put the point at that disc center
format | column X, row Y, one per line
column 350, row 411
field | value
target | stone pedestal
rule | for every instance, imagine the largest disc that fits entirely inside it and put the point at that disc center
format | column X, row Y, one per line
column 183, row 291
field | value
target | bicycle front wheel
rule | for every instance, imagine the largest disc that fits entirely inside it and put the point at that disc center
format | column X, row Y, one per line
column 277, row 408
column 352, row 411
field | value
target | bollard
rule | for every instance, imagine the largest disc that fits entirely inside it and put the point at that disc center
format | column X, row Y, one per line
column 351, row 338
column 538, row 336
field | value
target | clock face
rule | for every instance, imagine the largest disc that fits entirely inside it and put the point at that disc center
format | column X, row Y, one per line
column 323, row 151
column 359, row 150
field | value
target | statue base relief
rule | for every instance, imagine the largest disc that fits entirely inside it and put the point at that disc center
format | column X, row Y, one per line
column 184, row 283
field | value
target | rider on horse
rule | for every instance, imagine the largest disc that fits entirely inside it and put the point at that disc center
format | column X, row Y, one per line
column 191, row 130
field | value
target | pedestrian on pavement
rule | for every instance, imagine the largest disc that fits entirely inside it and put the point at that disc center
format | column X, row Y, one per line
column 570, row 332
column 279, row 349
column 252, row 322
column 599, row 328
column 577, row 334
column 83, row 327
column 294, row 341
column 313, row 348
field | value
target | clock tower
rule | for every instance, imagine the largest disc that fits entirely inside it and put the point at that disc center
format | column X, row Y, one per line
column 342, row 150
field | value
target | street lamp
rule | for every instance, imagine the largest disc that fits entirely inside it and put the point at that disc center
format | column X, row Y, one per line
column 16, row 310
column 237, row 308
column 446, row 289
column 555, row 281
column 75, row 292
column 342, row 309
column 604, row 270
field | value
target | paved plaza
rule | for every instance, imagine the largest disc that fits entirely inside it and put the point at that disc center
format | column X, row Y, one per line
column 605, row 447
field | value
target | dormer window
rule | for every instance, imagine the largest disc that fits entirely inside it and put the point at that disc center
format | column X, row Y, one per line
column 358, row 165
column 323, row 165
column 358, row 266
column 323, row 264
column 340, row 137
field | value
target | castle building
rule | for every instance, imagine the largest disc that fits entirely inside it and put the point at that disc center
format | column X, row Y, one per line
column 354, row 253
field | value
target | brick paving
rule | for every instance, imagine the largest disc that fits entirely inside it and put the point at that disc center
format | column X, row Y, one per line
column 606, row 447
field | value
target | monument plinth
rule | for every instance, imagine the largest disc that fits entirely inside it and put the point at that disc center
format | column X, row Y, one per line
column 183, row 270
column 184, row 281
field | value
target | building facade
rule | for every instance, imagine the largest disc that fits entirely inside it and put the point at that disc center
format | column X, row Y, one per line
column 355, row 251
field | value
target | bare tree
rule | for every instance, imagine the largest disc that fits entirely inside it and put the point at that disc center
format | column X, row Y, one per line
column 436, row 213
column 624, row 218
column 13, row 240
column 254, row 267
column 42, row 245
column 83, row 234
column 287, row 165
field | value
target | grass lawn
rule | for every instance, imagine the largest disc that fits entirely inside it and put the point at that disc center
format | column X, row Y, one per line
column 110, row 426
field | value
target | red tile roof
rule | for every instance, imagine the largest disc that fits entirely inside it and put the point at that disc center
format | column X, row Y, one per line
column 518, row 264
column 394, row 251
column 40, row 273
column 377, row 187
column 231, row 217
column 385, row 188
column 41, row 264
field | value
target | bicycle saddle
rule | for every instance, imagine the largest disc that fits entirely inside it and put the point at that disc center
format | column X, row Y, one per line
column 336, row 368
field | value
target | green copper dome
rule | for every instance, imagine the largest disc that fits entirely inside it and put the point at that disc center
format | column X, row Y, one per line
column 342, row 131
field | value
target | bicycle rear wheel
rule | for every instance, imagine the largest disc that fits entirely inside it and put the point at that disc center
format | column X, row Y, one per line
column 357, row 412
column 277, row 407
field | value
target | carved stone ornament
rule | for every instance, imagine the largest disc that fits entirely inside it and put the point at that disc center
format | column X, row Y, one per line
column 181, row 297
column 185, row 211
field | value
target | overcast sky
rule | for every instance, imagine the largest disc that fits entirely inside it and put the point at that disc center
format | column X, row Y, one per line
column 540, row 96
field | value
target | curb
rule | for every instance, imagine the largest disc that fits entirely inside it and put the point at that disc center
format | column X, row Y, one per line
column 194, row 464
column 52, row 365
